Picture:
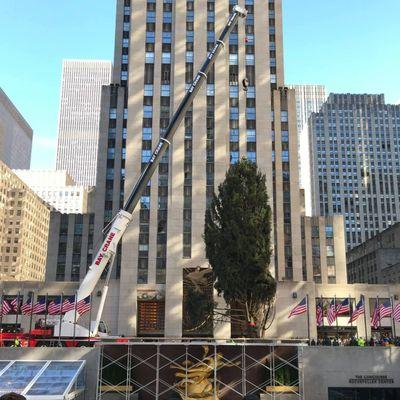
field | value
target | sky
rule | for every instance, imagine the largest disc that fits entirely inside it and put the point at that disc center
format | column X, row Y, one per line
column 35, row 37
column 347, row 45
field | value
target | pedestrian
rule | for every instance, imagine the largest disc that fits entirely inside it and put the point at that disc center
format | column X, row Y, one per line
column 12, row 396
column 326, row 341
column 386, row 341
column 372, row 342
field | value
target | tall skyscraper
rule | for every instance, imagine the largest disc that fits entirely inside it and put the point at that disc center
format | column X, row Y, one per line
column 164, row 244
column 15, row 135
column 155, row 61
column 355, row 165
column 78, row 123
column 309, row 98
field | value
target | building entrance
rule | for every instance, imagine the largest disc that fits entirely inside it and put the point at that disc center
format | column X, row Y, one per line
column 364, row 393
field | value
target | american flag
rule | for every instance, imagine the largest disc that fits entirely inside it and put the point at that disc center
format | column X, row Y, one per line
column 27, row 307
column 343, row 307
column 301, row 308
column 54, row 306
column 83, row 306
column 396, row 313
column 15, row 303
column 5, row 308
column 332, row 312
column 68, row 304
column 40, row 306
column 360, row 309
column 375, row 316
column 385, row 310
column 320, row 315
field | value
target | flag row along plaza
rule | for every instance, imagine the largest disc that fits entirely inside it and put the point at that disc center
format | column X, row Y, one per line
column 51, row 305
column 48, row 311
column 336, row 308
column 282, row 364
column 316, row 310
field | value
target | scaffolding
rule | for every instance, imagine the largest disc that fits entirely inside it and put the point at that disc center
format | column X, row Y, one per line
column 182, row 369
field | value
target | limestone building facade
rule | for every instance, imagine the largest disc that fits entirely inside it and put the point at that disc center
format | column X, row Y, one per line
column 154, row 63
column 15, row 135
column 377, row 260
column 281, row 327
column 58, row 189
column 354, row 153
column 324, row 249
column 70, row 249
column 24, row 220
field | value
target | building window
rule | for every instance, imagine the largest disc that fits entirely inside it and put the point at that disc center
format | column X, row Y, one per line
column 329, row 231
column 330, row 251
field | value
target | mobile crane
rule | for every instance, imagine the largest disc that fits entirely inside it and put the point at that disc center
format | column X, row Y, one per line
column 106, row 254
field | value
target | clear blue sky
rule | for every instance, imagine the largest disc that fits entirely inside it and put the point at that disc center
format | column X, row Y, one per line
column 348, row 45
column 36, row 35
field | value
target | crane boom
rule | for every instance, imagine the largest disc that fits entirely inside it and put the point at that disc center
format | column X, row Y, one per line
column 124, row 216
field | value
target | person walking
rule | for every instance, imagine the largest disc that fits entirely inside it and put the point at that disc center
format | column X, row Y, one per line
column 12, row 396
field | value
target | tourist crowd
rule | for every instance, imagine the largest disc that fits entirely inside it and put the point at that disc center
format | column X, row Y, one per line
column 353, row 341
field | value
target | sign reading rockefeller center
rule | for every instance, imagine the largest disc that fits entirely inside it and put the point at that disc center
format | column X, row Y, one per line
column 371, row 380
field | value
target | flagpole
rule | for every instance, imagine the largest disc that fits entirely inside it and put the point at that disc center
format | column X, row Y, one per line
column 336, row 319
column 393, row 321
column 351, row 312
column 45, row 310
column 76, row 304
column 308, row 321
column 90, row 317
column 17, row 310
column 365, row 317
column 379, row 317
column 61, row 307
column 31, row 319
column 1, row 312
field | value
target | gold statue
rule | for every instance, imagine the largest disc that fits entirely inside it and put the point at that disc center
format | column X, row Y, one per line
column 196, row 382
